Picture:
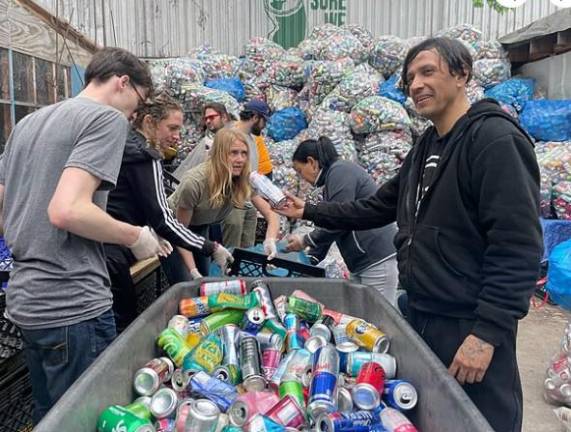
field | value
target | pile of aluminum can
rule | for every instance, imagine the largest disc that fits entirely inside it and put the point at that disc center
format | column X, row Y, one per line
column 235, row 360
column 557, row 383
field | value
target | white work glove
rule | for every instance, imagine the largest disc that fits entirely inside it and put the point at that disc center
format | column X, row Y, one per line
column 222, row 257
column 165, row 246
column 270, row 248
column 147, row 244
column 195, row 274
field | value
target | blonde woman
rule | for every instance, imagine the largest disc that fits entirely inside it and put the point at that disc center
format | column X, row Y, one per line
column 139, row 199
column 208, row 193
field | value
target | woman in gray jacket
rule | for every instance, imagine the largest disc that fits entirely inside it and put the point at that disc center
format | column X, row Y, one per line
column 370, row 255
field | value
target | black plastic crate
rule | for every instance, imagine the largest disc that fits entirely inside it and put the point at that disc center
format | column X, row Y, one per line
column 253, row 264
column 150, row 288
column 10, row 337
column 15, row 395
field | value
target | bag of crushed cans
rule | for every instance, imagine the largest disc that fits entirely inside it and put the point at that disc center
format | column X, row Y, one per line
column 286, row 124
column 561, row 193
column 389, row 89
column 335, row 126
column 232, row 86
column 515, row 92
column 547, row 120
column 360, row 83
column 557, row 385
column 491, row 72
column 377, row 113
column 387, row 54
column 236, row 360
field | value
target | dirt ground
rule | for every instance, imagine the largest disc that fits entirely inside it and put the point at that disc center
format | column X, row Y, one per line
column 538, row 339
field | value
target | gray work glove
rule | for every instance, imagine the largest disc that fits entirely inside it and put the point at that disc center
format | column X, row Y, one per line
column 222, row 257
column 148, row 244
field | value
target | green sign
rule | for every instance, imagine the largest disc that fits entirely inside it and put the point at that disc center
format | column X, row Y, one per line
column 289, row 17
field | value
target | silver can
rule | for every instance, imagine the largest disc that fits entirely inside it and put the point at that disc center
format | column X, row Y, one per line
column 264, row 297
column 320, row 328
column 164, row 403
column 342, row 341
column 280, row 304
column 180, row 324
column 229, row 335
column 344, row 400
column 253, row 320
column 269, row 340
column 202, row 417
column 180, row 380
column 149, row 378
column 250, row 364
column 267, row 189
column 314, row 343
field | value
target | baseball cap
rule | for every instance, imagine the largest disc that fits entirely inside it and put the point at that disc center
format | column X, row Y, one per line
column 259, row 107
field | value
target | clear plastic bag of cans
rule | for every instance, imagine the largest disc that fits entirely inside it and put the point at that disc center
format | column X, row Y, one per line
column 545, row 196
column 202, row 51
column 474, row 91
column 253, row 90
column 194, row 97
column 557, row 384
column 380, row 165
column 465, row 32
column 342, row 45
column 287, row 71
column 387, row 54
column 335, row 126
column 260, row 50
column 376, row 113
column 490, row 50
column 362, row 82
column 217, row 66
column 284, row 176
column 324, row 77
column 362, row 34
column 491, row 72
column 562, row 200
column 279, row 98
column 179, row 72
column 419, row 124
column 564, row 416
column 554, row 159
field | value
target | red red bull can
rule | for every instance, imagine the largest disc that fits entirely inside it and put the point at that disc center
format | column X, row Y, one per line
column 233, row 286
column 287, row 412
column 400, row 394
column 370, row 383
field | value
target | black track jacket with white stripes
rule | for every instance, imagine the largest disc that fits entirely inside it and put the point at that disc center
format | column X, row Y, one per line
column 140, row 199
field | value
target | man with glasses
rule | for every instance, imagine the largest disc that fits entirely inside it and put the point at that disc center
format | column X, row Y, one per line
column 214, row 117
column 59, row 164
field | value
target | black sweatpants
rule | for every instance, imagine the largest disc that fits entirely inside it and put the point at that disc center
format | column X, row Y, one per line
column 499, row 396
column 119, row 260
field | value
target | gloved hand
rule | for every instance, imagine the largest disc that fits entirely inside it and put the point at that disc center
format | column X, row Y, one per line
column 270, row 248
column 147, row 244
column 195, row 274
column 165, row 246
column 222, row 257
column 295, row 243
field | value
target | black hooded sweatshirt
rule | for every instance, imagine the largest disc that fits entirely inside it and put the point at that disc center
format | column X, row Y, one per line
column 139, row 199
column 470, row 247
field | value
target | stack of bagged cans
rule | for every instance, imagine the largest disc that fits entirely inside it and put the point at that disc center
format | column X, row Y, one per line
column 238, row 360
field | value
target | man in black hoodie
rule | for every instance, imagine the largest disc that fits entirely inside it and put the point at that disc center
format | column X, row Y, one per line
column 466, row 201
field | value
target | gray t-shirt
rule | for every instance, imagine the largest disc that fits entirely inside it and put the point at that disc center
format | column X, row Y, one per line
column 58, row 278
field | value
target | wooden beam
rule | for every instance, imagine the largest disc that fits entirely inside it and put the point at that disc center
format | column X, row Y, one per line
column 59, row 25
column 563, row 43
column 542, row 47
column 519, row 53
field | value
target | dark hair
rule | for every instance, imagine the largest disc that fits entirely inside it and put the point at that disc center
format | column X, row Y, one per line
column 322, row 150
column 248, row 115
column 109, row 62
column 453, row 52
column 218, row 107
column 158, row 108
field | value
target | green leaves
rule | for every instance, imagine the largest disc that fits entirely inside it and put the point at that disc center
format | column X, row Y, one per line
column 492, row 3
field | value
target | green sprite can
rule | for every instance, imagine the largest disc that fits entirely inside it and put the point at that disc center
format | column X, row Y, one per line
column 117, row 418
column 214, row 321
column 304, row 309
column 172, row 343
column 291, row 385
column 141, row 407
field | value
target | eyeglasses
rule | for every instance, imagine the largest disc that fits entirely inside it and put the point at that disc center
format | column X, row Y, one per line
column 141, row 98
column 211, row 117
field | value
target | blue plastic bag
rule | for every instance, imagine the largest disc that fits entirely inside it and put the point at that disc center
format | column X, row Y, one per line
column 390, row 90
column 559, row 274
column 286, row 124
column 233, row 86
column 515, row 92
column 547, row 120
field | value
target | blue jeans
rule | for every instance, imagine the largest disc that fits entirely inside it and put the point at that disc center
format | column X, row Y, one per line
column 56, row 357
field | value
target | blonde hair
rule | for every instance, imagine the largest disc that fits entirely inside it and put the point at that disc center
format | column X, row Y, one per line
column 221, row 182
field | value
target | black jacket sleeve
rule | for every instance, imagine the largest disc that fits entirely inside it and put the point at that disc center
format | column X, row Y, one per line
column 147, row 179
column 374, row 212
column 340, row 187
column 505, row 179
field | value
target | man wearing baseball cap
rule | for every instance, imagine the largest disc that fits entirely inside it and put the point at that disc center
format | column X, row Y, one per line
column 239, row 227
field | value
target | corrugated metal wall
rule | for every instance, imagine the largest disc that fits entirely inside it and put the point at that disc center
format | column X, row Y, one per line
column 165, row 28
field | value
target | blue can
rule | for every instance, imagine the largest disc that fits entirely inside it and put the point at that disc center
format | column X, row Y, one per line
column 293, row 341
column 221, row 393
column 194, row 325
column 322, row 394
column 253, row 321
column 400, row 394
column 341, row 422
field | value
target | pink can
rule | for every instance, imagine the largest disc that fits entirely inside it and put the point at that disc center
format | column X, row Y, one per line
column 248, row 404
column 287, row 412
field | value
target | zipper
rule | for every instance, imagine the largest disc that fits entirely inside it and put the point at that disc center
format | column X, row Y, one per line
column 357, row 242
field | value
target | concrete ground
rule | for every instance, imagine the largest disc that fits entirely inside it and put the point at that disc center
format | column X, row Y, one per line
column 538, row 339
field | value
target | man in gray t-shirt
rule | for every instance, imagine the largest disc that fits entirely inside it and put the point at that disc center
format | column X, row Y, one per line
column 55, row 174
